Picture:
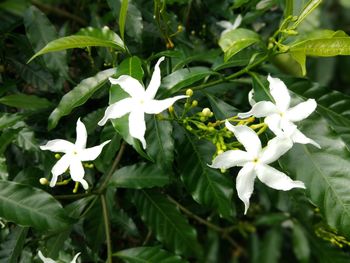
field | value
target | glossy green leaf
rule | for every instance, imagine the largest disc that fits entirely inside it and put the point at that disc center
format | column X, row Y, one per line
column 221, row 109
column 182, row 78
column 122, row 16
column 40, row 32
column 301, row 245
column 271, row 246
column 147, row 254
column 79, row 95
column 309, row 7
column 160, row 142
column 325, row 172
column 169, row 226
column 23, row 101
column 9, row 119
column 28, row 206
column 236, row 40
column 11, row 248
column 208, row 186
column 87, row 37
column 333, row 105
column 137, row 176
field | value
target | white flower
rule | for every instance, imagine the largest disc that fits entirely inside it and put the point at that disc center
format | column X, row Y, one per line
column 49, row 260
column 74, row 155
column 141, row 101
column 228, row 26
column 254, row 162
column 279, row 117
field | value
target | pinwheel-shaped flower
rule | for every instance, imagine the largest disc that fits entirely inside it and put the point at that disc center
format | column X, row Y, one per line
column 141, row 101
column 254, row 162
column 74, row 155
column 49, row 260
column 279, row 116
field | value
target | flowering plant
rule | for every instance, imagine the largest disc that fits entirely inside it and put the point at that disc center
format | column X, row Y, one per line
column 200, row 131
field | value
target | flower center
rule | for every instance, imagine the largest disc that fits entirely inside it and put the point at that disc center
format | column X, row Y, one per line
column 256, row 160
column 75, row 152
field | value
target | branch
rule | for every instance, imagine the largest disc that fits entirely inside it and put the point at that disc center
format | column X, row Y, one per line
column 107, row 228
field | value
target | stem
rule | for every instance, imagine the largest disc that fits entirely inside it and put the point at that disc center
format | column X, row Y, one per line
column 49, row 9
column 74, row 196
column 114, row 166
column 107, row 228
column 235, row 75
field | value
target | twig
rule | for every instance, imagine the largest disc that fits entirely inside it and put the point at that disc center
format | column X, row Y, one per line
column 107, row 228
column 50, row 9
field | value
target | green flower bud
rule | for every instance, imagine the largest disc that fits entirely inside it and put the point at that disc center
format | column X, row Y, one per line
column 43, row 181
column 189, row 92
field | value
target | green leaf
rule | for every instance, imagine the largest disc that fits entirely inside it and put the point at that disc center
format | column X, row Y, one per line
column 122, row 17
column 139, row 176
column 86, row 37
column 79, row 95
column 271, row 246
column 7, row 120
column 207, row 185
column 309, row 7
column 23, row 101
column 221, row 109
column 236, row 40
column 11, row 248
column 326, row 47
column 29, row 206
column 161, row 143
column 40, row 32
column 301, row 245
column 147, row 254
column 166, row 222
column 183, row 78
column 325, row 172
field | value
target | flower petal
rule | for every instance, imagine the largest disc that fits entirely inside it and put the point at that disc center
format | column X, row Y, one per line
column 44, row 259
column 130, row 85
column 276, row 179
column 59, row 168
column 92, row 153
column 76, row 169
column 58, row 145
column 280, row 93
column 117, row 110
column 260, row 109
column 302, row 110
column 275, row 149
column 299, row 137
column 251, row 100
column 230, row 159
column 81, row 135
column 155, row 81
column 274, row 121
column 247, row 137
column 157, row 106
column 75, row 258
column 245, row 184
column 137, row 126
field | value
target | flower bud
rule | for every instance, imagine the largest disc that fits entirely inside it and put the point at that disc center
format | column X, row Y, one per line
column 171, row 109
column 194, row 103
column 206, row 112
column 57, row 156
column 189, row 128
column 180, row 28
column 189, row 92
column 43, row 181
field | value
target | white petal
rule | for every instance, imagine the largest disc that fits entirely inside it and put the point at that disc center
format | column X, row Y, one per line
column 61, row 166
column 275, row 149
column 58, row 145
column 299, row 137
column 130, row 85
column 44, row 259
column 251, row 98
column 230, row 159
column 276, row 179
column 75, row 258
column 245, row 184
column 92, row 153
column 76, row 169
column 84, row 183
column 81, row 135
column 279, row 92
column 117, row 110
column 155, row 81
column 157, row 106
column 274, row 122
column 302, row 110
column 225, row 24
column 237, row 22
column 137, row 126
column 260, row 109
column 247, row 137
